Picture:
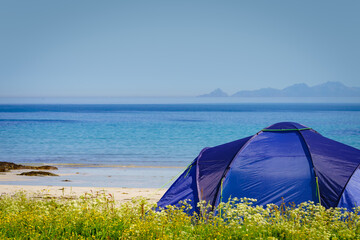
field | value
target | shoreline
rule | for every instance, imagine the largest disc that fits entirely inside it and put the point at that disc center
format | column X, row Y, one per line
column 86, row 181
column 95, row 176
column 94, row 165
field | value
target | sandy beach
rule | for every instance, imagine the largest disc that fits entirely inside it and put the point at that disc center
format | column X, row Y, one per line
column 47, row 190
column 108, row 176
column 119, row 194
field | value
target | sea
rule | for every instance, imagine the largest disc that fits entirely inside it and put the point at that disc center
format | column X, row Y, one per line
column 146, row 144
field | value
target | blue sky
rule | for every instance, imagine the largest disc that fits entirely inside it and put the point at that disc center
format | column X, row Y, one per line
column 90, row 48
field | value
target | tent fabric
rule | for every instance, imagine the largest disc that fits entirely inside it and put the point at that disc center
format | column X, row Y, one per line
column 286, row 125
column 273, row 168
column 334, row 164
column 184, row 188
column 281, row 163
column 349, row 199
column 212, row 165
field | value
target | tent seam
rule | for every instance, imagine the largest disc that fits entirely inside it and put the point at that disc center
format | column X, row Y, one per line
column 312, row 161
column 197, row 173
column 343, row 190
column 228, row 166
column 285, row 130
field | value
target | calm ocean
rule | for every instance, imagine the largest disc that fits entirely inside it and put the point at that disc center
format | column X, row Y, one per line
column 142, row 135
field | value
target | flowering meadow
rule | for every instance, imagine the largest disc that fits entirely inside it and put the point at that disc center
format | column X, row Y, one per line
column 27, row 217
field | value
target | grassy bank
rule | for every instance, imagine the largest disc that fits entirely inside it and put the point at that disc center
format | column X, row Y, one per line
column 26, row 217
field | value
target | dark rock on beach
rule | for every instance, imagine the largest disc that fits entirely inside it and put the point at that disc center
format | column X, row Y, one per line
column 46, row 167
column 7, row 166
column 38, row 173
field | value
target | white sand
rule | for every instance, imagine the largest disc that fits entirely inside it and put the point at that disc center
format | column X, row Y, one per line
column 119, row 194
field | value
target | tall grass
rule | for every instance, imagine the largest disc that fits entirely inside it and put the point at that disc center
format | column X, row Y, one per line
column 26, row 217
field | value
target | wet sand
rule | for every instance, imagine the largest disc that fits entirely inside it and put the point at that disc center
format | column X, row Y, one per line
column 47, row 190
column 97, row 176
column 123, row 183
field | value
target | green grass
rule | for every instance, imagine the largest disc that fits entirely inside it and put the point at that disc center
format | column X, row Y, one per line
column 26, row 217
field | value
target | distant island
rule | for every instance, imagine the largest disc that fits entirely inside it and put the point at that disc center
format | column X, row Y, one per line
column 216, row 93
column 328, row 89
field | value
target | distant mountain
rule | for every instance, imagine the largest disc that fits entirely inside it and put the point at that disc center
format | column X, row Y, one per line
column 328, row 89
column 263, row 92
column 216, row 93
column 335, row 89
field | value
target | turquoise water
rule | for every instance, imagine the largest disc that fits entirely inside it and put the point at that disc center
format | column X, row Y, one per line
column 166, row 135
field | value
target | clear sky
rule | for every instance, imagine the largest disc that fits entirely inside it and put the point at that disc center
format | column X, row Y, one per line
column 87, row 48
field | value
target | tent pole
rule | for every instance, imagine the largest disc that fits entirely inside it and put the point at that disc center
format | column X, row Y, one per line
column 318, row 190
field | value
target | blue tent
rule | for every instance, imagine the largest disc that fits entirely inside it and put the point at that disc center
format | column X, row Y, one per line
column 285, row 162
